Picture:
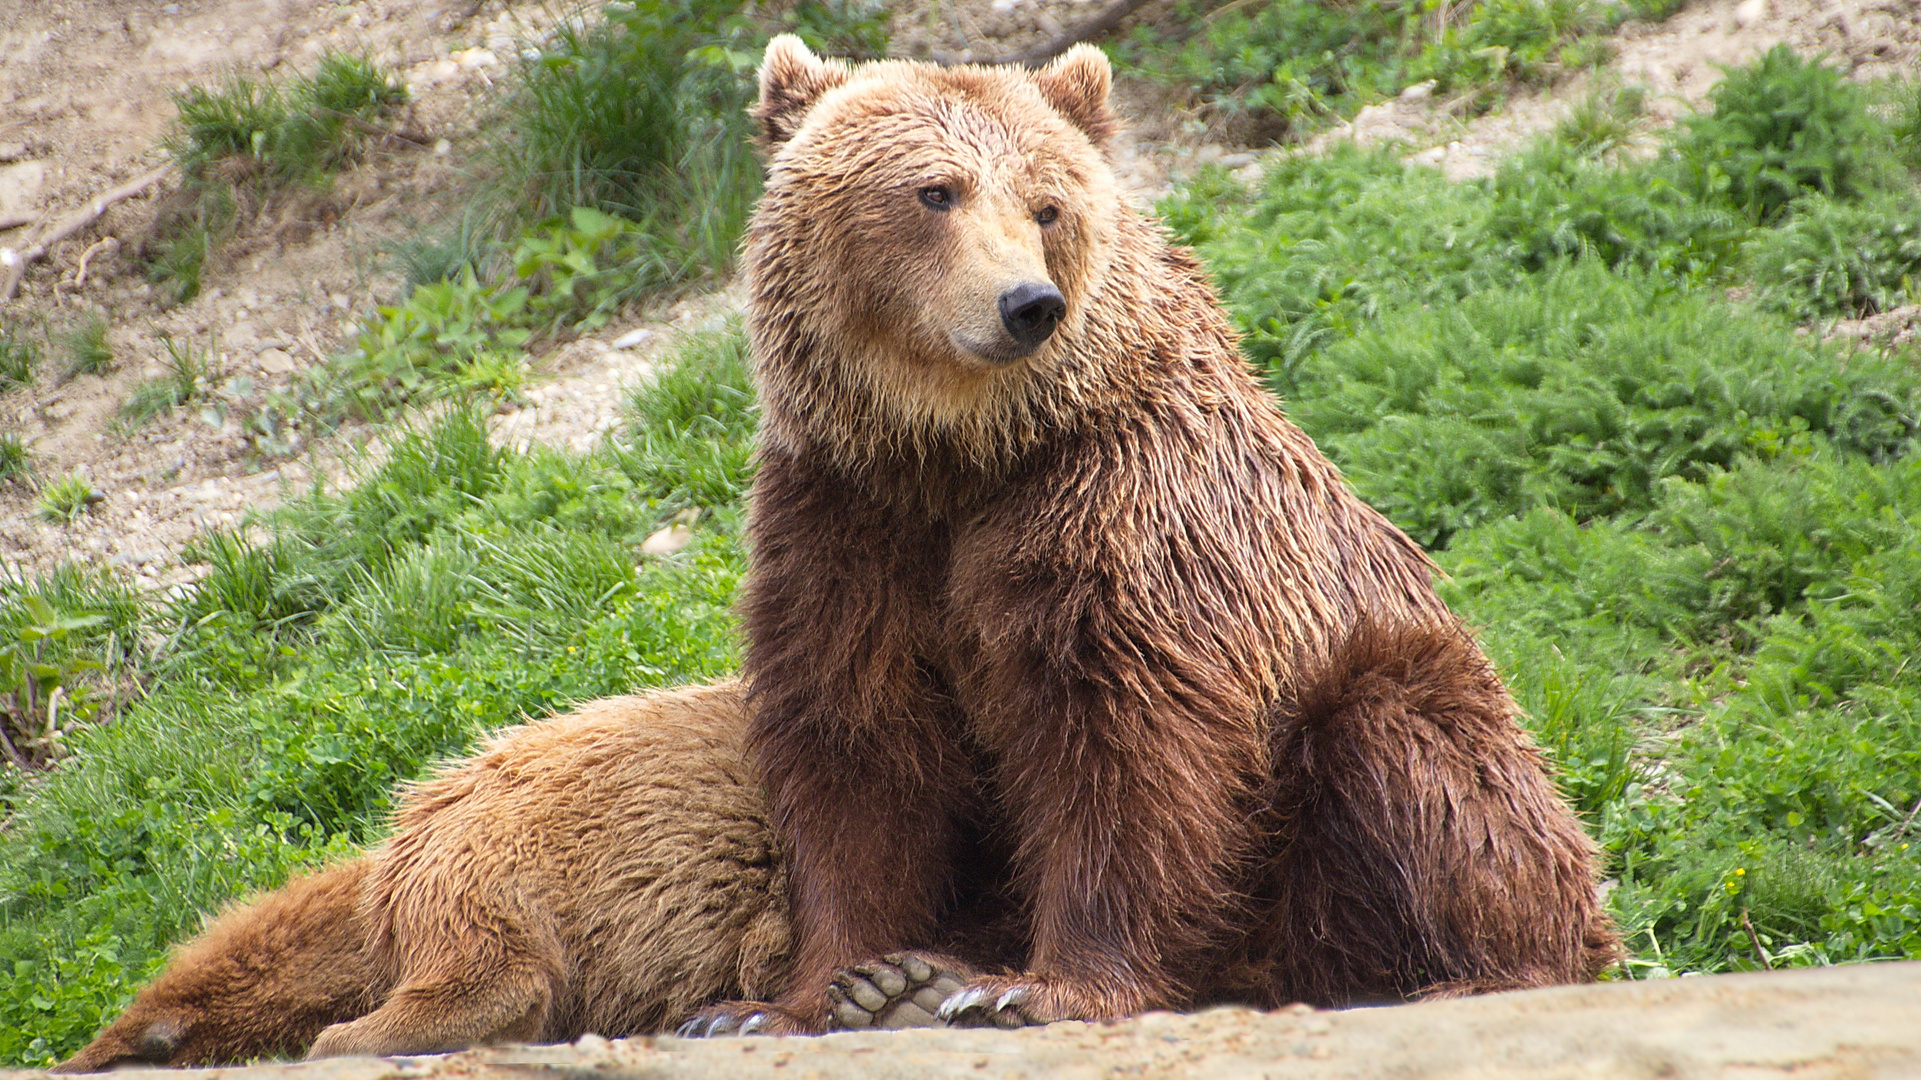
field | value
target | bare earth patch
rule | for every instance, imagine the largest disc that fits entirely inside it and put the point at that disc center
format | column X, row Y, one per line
column 87, row 85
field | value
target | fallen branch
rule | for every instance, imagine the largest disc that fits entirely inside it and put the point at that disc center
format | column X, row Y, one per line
column 14, row 263
column 1098, row 26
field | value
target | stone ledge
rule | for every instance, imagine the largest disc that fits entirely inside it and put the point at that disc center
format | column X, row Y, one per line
column 1861, row 1021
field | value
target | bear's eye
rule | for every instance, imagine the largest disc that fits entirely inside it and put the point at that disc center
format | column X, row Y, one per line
column 937, row 197
column 1046, row 215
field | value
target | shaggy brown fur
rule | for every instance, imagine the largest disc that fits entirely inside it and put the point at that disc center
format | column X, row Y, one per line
column 606, row 871
column 1092, row 608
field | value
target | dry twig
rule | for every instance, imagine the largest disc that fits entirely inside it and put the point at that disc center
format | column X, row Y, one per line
column 1101, row 24
column 13, row 264
column 1755, row 939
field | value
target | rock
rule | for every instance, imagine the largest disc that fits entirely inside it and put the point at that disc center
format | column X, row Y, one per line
column 631, row 338
column 1749, row 12
column 1420, row 91
column 678, row 534
column 273, row 362
column 667, row 541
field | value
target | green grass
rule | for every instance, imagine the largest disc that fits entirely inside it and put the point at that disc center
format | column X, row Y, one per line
column 1842, row 259
column 247, row 129
column 19, row 357
column 641, row 118
column 65, row 499
column 1603, row 122
column 245, row 140
column 87, row 348
column 16, row 460
column 1781, row 128
column 622, row 173
column 1288, row 67
column 366, row 634
column 181, row 382
column 187, row 232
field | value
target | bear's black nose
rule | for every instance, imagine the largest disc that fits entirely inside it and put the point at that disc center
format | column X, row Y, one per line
column 1031, row 311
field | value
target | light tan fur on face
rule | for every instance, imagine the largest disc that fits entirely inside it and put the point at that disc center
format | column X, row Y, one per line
column 902, row 301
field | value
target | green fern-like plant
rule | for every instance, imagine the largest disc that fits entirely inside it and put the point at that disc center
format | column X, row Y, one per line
column 1782, row 128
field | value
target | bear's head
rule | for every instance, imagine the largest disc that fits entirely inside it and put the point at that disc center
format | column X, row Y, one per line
column 924, row 256
column 144, row 1035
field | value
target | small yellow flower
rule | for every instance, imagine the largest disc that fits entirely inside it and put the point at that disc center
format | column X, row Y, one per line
column 1740, row 871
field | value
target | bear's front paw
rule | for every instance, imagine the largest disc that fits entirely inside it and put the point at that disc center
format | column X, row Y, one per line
column 900, row 990
column 742, row 1018
column 1012, row 1001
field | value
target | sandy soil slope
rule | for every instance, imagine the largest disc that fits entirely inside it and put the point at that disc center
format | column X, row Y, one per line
column 84, row 100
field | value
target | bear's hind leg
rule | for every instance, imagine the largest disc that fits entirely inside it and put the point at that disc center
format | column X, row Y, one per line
column 1423, row 848
column 444, row 1013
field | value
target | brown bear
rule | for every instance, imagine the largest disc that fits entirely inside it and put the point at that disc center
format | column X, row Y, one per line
column 607, row 871
column 1046, row 595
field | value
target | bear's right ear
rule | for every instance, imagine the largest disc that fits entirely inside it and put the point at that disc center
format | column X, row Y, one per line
column 792, row 79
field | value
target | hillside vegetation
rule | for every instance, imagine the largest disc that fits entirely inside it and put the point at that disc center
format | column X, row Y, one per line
column 1690, row 534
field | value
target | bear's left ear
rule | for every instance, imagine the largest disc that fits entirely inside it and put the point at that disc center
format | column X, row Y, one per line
column 1077, row 85
column 792, row 79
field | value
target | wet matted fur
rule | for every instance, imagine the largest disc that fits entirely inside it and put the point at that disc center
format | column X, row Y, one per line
column 1090, row 619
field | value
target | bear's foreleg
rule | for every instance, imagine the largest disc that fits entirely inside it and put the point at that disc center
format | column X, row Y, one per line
column 869, row 833
column 1133, row 820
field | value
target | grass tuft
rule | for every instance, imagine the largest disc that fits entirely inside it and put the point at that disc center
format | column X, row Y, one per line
column 247, row 129
column 88, row 352
column 640, row 117
column 16, row 460
column 1603, row 122
column 19, row 357
column 181, row 382
column 241, row 141
column 64, row 500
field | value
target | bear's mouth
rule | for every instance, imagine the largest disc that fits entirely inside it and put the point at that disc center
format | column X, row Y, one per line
column 1001, row 352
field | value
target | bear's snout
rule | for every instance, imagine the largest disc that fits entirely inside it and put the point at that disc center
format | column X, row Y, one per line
column 1030, row 311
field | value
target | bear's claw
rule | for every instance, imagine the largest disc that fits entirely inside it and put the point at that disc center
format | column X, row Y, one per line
column 992, row 1002
column 740, row 1018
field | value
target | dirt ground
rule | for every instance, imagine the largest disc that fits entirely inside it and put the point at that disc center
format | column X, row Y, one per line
column 84, row 103
column 1852, row 1022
